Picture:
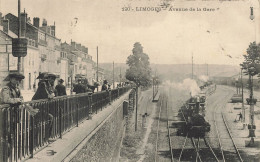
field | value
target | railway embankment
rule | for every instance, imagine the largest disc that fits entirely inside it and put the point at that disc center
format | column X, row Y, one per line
column 97, row 139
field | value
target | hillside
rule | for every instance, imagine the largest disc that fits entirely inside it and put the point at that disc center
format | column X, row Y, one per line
column 176, row 72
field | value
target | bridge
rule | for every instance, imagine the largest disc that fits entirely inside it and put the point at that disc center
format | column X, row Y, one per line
column 64, row 126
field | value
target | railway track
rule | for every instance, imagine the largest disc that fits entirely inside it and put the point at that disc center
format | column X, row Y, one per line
column 201, row 147
column 207, row 149
column 164, row 151
column 163, row 140
column 226, row 140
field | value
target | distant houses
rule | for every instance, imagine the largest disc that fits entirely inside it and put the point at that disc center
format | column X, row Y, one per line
column 45, row 52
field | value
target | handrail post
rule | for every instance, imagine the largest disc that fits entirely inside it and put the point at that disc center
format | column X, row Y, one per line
column 32, row 137
column 60, row 120
column 90, row 105
column 77, row 109
column 97, row 104
column 110, row 95
column 2, row 132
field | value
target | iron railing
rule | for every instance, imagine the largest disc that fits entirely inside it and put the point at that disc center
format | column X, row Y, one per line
column 22, row 135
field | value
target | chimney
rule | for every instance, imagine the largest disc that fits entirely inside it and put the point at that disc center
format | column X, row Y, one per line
column 73, row 45
column 5, row 24
column 44, row 22
column 29, row 20
column 78, row 46
column 36, row 22
column 53, row 30
column 23, row 24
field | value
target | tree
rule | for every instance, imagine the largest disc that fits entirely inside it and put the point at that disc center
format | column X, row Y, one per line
column 251, row 65
column 139, row 66
column 139, row 71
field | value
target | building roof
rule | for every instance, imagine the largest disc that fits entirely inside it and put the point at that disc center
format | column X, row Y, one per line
column 34, row 27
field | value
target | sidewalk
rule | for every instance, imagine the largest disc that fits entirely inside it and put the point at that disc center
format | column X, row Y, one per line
column 239, row 131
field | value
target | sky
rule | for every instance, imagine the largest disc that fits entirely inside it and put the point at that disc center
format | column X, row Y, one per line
column 168, row 37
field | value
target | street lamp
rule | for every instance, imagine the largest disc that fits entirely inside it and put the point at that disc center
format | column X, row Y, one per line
column 252, row 101
column 252, row 13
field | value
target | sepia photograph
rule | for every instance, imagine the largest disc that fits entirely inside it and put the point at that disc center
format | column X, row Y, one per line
column 129, row 80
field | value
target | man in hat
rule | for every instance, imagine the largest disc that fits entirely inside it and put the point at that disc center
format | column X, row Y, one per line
column 104, row 86
column 79, row 88
column 50, row 86
column 42, row 91
column 60, row 89
column 11, row 94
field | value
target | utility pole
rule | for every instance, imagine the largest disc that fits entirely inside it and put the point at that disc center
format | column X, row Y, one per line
column 97, row 67
column 192, row 66
column 153, row 88
column 19, row 33
column 243, row 107
column 120, row 76
column 113, row 76
column 207, row 69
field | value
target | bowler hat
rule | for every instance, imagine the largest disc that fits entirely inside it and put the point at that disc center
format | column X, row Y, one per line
column 53, row 76
column 61, row 80
column 42, row 75
column 14, row 75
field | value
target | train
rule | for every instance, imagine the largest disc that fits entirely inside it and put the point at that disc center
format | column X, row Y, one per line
column 193, row 113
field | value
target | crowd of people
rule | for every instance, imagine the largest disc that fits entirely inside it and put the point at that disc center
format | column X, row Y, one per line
column 11, row 93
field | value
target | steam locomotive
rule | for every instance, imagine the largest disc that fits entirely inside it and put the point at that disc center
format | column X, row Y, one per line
column 193, row 112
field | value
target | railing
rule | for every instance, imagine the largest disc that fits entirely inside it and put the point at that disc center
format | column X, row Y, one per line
column 22, row 135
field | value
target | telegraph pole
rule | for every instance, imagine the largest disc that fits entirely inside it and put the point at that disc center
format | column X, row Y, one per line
column 192, row 66
column 120, row 76
column 207, row 69
column 97, row 67
column 113, row 76
column 243, row 107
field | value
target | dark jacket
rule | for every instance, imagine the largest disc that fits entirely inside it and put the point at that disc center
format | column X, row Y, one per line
column 104, row 87
column 79, row 88
column 42, row 91
column 60, row 90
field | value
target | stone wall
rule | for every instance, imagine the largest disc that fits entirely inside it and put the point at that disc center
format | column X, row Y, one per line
column 104, row 145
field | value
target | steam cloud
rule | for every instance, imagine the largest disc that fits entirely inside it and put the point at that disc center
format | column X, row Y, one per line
column 204, row 78
column 188, row 85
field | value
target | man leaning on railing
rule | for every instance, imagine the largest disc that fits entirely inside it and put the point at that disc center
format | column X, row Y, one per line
column 46, row 91
column 11, row 94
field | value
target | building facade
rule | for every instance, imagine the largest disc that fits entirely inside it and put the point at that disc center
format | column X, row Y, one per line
column 45, row 52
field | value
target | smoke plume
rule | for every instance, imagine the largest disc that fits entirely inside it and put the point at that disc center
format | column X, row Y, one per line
column 204, row 78
column 188, row 85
